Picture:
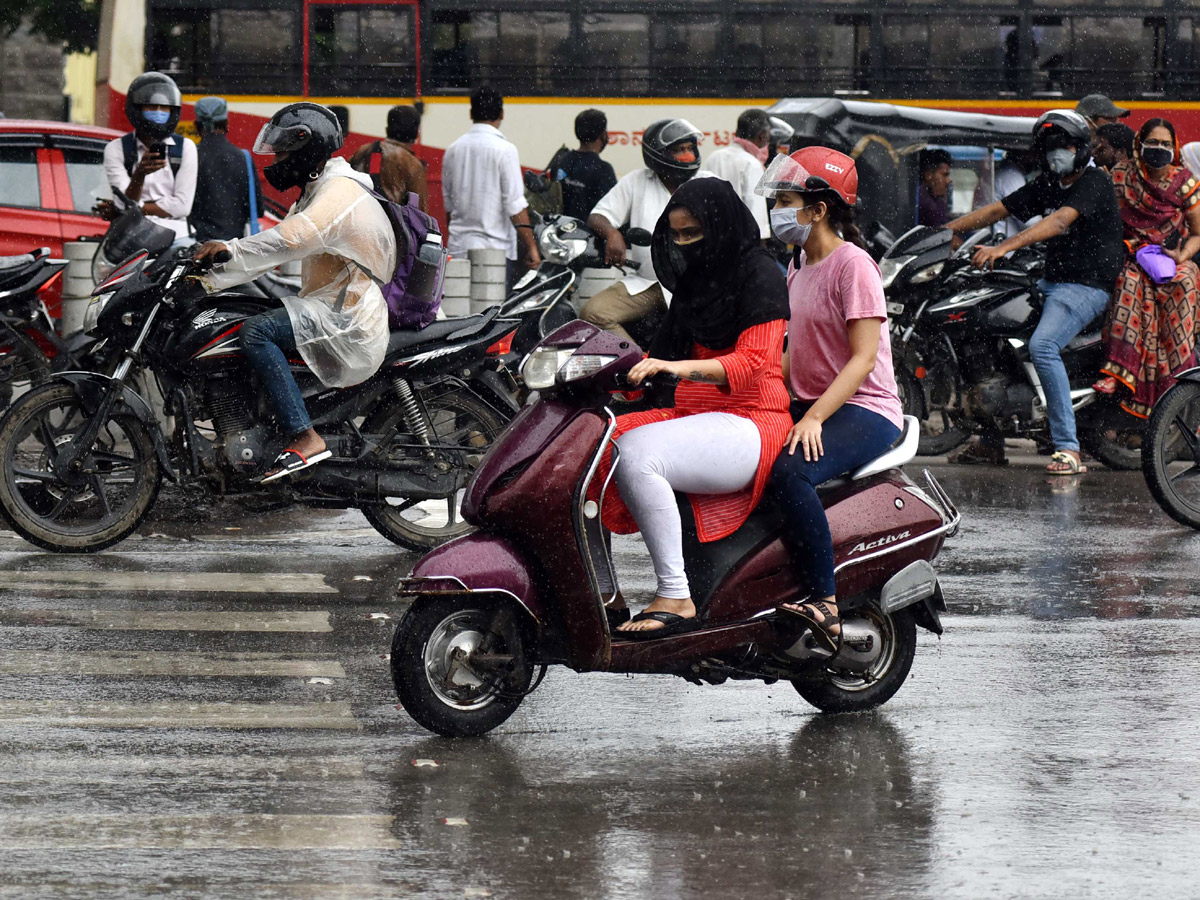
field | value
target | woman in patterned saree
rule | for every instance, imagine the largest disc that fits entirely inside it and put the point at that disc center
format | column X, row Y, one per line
column 1150, row 333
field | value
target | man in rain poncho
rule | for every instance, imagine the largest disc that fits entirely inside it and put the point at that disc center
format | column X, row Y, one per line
column 338, row 323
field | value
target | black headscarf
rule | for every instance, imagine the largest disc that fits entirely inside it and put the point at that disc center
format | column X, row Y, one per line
column 731, row 282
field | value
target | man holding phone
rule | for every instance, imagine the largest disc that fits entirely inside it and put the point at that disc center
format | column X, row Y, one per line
column 152, row 166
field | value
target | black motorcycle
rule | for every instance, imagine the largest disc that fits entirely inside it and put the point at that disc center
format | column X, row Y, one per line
column 544, row 300
column 83, row 456
column 960, row 341
column 30, row 346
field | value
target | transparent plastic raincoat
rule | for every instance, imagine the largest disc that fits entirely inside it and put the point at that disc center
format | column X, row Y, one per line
column 341, row 233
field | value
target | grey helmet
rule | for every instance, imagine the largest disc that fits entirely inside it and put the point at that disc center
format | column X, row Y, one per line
column 1063, row 126
column 658, row 141
column 153, row 89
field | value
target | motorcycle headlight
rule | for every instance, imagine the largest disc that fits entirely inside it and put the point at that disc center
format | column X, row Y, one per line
column 928, row 274
column 91, row 315
column 540, row 368
column 890, row 268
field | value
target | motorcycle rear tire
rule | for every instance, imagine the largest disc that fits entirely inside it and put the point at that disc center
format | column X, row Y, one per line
column 827, row 695
column 1156, row 448
column 1110, row 451
column 386, row 519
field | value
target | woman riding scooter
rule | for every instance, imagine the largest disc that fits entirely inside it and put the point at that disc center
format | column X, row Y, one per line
column 723, row 336
column 838, row 366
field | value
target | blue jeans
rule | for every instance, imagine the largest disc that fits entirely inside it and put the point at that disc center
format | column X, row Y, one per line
column 265, row 338
column 852, row 437
column 1069, row 309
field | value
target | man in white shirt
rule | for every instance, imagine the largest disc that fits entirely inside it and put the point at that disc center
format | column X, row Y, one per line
column 742, row 163
column 670, row 149
column 153, row 166
column 484, row 190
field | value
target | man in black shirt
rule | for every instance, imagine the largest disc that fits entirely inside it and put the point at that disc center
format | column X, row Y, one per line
column 585, row 177
column 221, row 209
column 1084, row 254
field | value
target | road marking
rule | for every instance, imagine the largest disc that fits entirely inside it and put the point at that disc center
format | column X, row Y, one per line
column 88, row 768
column 195, row 582
column 176, row 714
column 183, row 664
column 170, row 620
column 198, row 832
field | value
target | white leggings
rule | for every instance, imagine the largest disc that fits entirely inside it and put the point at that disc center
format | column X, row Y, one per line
column 708, row 453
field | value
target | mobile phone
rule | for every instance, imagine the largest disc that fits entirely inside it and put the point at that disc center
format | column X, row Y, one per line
column 159, row 149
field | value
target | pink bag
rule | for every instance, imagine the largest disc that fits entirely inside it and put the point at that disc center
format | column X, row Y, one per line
column 1155, row 263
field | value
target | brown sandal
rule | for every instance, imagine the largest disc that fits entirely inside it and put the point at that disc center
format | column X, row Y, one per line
column 820, row 628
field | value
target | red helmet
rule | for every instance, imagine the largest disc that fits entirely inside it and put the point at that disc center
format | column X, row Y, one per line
column 809, row 170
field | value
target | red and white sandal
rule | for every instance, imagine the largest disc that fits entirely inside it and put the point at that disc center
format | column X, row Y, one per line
column 289, row 462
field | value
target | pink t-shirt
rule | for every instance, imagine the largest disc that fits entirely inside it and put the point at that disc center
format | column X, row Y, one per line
column 824, row 297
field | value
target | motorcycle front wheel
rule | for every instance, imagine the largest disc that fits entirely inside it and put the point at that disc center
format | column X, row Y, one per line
column 1171, row 453
column 836, row 690
column 459, row 664
column 462, row 429
column 115, row 486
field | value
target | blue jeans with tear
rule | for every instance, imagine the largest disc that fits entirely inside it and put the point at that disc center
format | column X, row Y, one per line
column 266, row 339
column 1069, row 309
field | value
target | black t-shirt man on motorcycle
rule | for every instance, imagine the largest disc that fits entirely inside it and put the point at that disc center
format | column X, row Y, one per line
column 1082, row 231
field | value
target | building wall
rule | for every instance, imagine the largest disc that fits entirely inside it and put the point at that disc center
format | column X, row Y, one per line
column 31, row 77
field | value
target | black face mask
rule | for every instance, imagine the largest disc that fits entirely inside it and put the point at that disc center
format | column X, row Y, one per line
column 1157, row 157
column 283, row 176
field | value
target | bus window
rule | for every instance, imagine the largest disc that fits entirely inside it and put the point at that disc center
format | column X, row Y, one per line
column 617, row 49
column 367, row 50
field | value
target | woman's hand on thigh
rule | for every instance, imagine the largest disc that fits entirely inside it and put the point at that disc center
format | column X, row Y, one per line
column 806, row 434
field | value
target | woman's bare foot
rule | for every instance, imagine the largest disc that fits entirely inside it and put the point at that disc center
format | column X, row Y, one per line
column 684, row 608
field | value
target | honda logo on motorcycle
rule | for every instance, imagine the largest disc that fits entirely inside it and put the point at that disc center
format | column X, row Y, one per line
column 864, row 546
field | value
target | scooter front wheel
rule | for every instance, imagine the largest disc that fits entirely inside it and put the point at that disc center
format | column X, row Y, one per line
column 459, row 664
column 837, row 690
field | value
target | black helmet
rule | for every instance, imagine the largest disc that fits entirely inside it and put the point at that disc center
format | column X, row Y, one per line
column 1058, row 129
column 153, row 89
column 658, row 141
column 309, row 132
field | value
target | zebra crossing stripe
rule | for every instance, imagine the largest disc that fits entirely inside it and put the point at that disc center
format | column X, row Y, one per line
column 151, row 663
column 315, row 622
column 176, row 714
column 222, row 831
column 192, row 582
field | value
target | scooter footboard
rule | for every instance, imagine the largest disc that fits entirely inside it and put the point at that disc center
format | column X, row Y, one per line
column 477, row 563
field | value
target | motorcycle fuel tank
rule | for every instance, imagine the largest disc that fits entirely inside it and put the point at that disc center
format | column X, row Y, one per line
column 999, row 309
column 213, row 333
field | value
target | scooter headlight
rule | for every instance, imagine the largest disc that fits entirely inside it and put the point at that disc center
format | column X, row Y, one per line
column 533, row 301
column 582, row 366
column 541, row 367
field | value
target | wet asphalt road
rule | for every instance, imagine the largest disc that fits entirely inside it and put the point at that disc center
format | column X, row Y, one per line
column 206, row 712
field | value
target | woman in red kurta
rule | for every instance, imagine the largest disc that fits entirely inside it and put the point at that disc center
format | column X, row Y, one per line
column 723, row 337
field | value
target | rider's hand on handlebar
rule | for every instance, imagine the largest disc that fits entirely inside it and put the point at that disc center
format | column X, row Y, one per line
column 648, row 367
column 615, row 249
column 206, row 253
column 986, row 257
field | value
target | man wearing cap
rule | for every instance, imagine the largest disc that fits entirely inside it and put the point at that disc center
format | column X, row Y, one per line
column 1099, row 110
column 221, row 210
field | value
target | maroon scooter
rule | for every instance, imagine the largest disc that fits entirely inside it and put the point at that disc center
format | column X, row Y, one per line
column 530, row 588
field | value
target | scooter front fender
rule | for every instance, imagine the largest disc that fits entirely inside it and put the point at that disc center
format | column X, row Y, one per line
column 1192, row 374
column 477, row 563
column 91, row 387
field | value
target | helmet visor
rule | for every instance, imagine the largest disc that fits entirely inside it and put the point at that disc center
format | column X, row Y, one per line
column 679, row 130
column 155, row 93
column 785, row 174
column 281, row 139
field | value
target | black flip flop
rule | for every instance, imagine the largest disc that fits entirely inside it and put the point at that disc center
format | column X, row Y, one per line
column 819, row 628
column 672, row 624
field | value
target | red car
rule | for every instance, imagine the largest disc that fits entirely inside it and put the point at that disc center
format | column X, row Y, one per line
column 51, row 174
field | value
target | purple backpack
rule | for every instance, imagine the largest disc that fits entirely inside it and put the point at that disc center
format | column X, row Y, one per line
column 414, row 293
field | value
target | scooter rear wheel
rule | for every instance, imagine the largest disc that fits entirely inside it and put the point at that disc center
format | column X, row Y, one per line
column 459, row 664
column 839, row 691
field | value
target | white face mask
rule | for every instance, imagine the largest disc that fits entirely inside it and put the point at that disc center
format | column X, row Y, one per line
column 1061, row 162
column 786, row 227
